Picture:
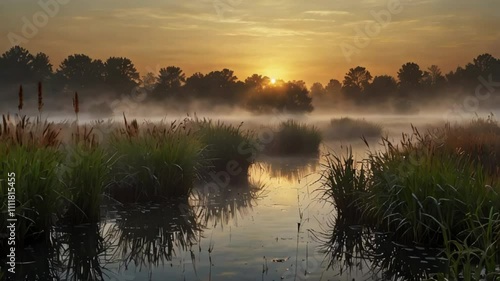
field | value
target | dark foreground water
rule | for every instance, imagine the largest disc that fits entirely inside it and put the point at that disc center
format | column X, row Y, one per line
column 274, row 228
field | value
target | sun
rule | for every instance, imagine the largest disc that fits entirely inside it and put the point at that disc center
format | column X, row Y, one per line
column 273, row 81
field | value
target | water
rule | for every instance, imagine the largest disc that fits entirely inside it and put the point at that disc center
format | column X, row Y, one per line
column 271, row 229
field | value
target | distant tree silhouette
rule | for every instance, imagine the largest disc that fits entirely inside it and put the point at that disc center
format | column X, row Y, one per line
column 79, row 72
column 169, row 82
column 120, row 75
column 318, row 91
column 16, row 67
column 297, row 98
column 355, row 83
column 257, row 82
column 333, row 88
column 149, row 81
column 410, row 78
column 382, row 88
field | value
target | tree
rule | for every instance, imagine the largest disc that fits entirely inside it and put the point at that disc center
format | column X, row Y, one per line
column 382, row 87
column 169, row 82
column 195, row 85
column 356, row 81
column 16, row 66
column 257, row 82
column 120, row 75
column 297, row 98
column 410, row 77
column 149, row 81
column 317, row 91
column 80, row 72
column 334, row 87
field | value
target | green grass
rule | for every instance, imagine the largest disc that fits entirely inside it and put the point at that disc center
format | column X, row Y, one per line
column 155, row 164
column 344, row 180
column 348, row 128
column 294, row 138
column 39, row 193
column 226, row 146
column 86, row 177
column 479, row 138
column 425, row 193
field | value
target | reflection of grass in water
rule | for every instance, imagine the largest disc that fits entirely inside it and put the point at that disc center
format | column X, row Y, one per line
column 349, row 246
column 148, row 236
column 292, row 169
column 71, row 254
column 343, row 241
column 225, row 205
column 83, row 253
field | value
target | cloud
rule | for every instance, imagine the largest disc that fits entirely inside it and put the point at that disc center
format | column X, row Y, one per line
column 327, row 13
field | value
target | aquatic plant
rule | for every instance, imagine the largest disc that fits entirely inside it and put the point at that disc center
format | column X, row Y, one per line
column 39, row 192
column 344, row 180
column 348, row 128
column 424, row 194
column 224, row 147
column 292, row 138
column 156, row 163
column 479, row 138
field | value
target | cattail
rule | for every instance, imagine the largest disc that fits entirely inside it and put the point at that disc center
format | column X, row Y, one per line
column 21, row 98
column 40, row 97
column 76, row 104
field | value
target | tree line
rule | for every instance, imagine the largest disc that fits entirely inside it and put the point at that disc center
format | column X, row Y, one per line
column 118, row 76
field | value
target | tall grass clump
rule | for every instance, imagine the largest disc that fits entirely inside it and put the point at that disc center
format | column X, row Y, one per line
column 423, row 192
column 348, row 128
column 480, row 138
column 418, row 188
column 87, row 171
column 292, row 138
column 227, row 147
column 344, row 180
column 156, row 163
column 31, row 151
column 39, row 192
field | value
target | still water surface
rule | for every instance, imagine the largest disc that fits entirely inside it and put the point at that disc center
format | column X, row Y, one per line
column 270, row 229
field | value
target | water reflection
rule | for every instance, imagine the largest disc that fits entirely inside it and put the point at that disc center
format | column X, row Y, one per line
column 147, row 236
column 78, row 253
column 223, row 207
column 349, row 246
column 293, row 169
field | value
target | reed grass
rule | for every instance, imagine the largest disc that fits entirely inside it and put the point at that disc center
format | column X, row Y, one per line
column 86, row 178
column 480, row 138
column 224, row 144
column 39, row 192
column 344, row 180
column 294, row 138
column 159, row 162
column 348, row 128
column 424, row 192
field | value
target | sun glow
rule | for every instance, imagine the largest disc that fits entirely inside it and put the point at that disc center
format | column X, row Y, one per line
column 273, row 81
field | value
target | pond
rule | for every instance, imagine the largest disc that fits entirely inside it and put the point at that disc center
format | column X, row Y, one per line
column 273, row 228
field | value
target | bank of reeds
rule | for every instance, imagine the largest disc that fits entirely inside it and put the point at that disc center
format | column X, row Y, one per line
column 155, row 162
column 229, row 148
column 348, row 128
column 294, row 138
column 427, row 190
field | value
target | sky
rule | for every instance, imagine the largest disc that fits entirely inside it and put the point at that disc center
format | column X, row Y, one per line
column 314, row 40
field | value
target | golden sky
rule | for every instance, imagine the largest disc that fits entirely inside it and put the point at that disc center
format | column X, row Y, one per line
column 288, row 39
